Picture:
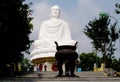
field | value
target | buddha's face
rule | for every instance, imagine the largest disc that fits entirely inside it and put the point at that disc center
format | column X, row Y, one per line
column 55, row 12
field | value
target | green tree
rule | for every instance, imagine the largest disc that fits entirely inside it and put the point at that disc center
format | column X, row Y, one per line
column 104, row 35
column 88, row 60
column 15, row 28
column 26, row 65
column 116, row 64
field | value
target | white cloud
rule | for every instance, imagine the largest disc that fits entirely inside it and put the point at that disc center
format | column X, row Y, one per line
column 40, row 13
column 41, row 8
column 89, row 5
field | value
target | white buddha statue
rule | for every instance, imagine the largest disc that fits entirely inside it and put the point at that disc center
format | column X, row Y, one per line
column 51, row 30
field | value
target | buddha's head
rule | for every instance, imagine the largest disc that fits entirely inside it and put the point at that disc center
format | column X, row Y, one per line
column 55, row 11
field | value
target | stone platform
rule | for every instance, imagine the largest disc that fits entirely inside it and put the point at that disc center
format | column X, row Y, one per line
column 50, row 77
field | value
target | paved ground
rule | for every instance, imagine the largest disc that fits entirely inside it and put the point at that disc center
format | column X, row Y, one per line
column 53, row 74
column 50, row 77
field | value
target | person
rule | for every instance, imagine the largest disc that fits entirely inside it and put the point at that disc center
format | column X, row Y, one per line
column 38, row 69
column 35, row 67
column 45, row 67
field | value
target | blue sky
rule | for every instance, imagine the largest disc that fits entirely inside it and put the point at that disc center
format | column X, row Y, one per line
column 77, row 13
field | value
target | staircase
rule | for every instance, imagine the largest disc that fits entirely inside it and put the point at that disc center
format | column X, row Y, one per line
column 87, row 76
column 90, row 74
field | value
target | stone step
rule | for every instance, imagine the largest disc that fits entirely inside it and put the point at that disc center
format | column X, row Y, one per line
column 61, row 79
column 90, row 74
column 80, row 74
column 50, row 77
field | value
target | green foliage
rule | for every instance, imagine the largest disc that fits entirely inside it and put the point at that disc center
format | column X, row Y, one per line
column 26, row 65
column 15, row 28
column 103, row 35
column 117, row 10
column 88, row 60
column 116, row 64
